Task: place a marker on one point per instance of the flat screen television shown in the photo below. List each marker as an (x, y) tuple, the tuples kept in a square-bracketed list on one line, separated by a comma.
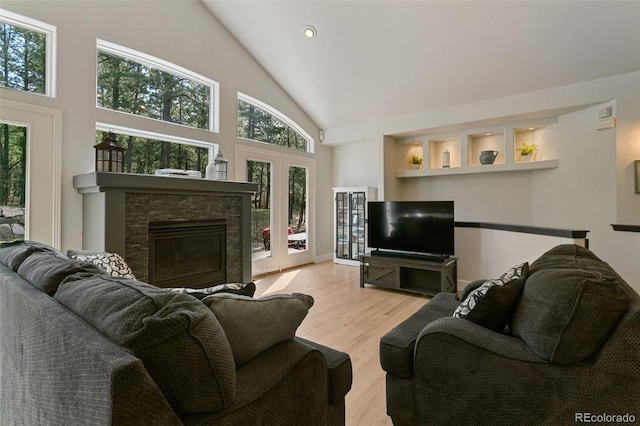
[(411, 227)]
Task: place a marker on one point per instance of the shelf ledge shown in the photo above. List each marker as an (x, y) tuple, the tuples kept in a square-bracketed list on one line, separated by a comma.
[(625, 228), (487, 168)]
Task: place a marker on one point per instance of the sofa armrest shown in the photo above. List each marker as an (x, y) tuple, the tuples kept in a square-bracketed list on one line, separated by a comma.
[(397, 346), (340, 370), (476, 335)]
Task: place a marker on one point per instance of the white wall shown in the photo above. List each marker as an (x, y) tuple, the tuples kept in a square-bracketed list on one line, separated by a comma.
[(348, 160), (591, 189), (489, 253), (181, 32)]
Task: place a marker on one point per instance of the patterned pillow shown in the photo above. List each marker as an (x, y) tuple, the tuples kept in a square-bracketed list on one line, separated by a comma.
[(112, 263), (492, 304), (234, 288)]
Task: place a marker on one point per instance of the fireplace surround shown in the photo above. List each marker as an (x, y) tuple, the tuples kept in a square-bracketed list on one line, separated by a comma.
[(187, 253), (119, 208)]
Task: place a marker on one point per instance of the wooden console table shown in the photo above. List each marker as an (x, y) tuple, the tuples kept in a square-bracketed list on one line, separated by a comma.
[(414, 275)]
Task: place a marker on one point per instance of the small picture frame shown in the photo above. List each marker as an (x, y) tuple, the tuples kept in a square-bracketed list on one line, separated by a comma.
[(637, 169)]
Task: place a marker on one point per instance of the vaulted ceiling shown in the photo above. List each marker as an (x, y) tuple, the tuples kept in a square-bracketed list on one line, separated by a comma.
[(374, 60)]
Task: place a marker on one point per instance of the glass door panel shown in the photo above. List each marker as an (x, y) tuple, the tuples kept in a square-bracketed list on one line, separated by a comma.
[(358, 201), (260, 172), (13, 190), (297, 211), (342, 225)]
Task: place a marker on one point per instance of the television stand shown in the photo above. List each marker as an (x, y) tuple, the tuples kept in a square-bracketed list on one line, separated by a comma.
[(417, 256), (412, 274)]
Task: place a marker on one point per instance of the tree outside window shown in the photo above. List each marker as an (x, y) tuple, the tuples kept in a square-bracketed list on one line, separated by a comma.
[(145, 156), (13, 165), (129, 86), (257, 124), (22, 58)]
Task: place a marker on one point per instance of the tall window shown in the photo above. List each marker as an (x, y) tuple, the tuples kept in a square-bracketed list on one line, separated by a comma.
[(146, 152), (259, 122), (13, 164), (137, 83), (27, 54)]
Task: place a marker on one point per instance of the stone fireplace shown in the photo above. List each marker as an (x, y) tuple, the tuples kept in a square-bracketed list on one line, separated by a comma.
[(123, 212)]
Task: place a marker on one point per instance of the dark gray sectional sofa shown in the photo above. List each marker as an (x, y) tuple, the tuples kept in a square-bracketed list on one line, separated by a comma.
[(79, 347), (569, 352)]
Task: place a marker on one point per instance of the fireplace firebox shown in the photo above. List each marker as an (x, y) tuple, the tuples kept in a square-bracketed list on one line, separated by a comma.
[(190, 253)]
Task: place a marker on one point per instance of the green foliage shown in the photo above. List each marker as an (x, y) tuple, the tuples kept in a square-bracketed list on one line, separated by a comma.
[(145, 156), (13, 158), (22, 58), (297, 198), (260, 219), (256, 124), (527, 149), (416, 159), (128, 86)]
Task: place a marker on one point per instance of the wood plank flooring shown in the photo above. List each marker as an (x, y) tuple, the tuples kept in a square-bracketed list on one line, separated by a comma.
[(351, 319)]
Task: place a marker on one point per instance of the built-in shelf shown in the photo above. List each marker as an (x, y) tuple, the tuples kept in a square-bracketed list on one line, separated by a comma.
[(486, 168), (465, 147), (626, 228)]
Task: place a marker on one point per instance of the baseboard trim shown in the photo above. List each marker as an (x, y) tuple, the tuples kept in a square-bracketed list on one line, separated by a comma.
[(323, 258)]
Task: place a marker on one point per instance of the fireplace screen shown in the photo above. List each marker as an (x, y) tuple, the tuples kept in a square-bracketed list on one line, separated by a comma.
[(187, 253)]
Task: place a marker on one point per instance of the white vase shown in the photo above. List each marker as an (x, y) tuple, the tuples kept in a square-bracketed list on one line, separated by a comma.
[(527, 157), (416, 167), (210, 171), (446, 158)]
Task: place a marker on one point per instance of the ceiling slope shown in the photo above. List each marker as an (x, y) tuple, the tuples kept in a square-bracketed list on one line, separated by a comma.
[(374, 60)]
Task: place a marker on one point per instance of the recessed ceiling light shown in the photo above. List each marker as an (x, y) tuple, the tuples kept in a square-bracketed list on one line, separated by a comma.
[(309, 31), (488, 134)]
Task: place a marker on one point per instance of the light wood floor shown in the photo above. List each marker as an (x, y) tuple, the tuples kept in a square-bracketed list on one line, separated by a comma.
[(351, 319)]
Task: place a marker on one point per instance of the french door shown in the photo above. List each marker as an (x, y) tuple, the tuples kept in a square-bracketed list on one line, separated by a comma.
[(282, 209), (40, 157)]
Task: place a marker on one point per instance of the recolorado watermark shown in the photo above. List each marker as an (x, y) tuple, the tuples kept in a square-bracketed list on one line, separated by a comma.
[(604, 418)]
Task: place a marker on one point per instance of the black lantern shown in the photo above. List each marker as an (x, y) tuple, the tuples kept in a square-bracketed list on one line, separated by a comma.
[(109, 155), (221, 166)]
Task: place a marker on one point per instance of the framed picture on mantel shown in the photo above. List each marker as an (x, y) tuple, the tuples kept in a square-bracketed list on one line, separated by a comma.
[(637, 168)]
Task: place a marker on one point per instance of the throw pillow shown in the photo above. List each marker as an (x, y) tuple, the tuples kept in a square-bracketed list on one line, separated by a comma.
[(235, 288), (492, 304), (179, 340), (254, 325), (469, 288), (569, 309), (112, 263)]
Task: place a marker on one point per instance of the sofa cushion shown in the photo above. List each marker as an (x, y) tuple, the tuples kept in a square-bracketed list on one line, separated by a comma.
[(46, 270), (570, 305), (179, 341), (112, 263), (236, 288), (492, 304), (564, 257), (13, 254), (254, 325)]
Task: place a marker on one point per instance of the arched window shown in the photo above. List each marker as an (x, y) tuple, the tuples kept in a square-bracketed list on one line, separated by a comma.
[(259, 122), (136, 83)]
